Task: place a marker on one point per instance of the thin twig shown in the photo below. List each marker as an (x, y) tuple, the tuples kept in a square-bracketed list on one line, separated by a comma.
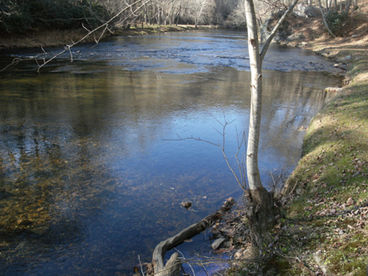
[(92, 32), (241, 178), (204, 268), (70, 52), (14, 62), (140, 265), (190, 266), (194, 139)]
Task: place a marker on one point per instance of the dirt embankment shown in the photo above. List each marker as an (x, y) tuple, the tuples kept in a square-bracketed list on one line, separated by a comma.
[(327, 229)]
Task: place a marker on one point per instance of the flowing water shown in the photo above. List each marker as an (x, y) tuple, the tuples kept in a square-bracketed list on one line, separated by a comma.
[(94, 160)]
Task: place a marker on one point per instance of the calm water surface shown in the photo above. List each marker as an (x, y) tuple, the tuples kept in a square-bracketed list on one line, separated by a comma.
[(91, 175)]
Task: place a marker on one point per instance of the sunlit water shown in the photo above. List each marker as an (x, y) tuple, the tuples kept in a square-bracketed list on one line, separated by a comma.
[(94, 159)]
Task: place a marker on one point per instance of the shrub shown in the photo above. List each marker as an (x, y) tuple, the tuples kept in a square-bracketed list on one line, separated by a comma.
[(19, 16), (336, 21)]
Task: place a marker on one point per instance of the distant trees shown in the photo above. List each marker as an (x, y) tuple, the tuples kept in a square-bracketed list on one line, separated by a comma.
[(17, 16), (178, 11), (25, 15), (20, 16), (335, 15)]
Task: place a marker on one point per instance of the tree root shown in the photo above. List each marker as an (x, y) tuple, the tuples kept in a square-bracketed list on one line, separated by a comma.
[(173, 265)]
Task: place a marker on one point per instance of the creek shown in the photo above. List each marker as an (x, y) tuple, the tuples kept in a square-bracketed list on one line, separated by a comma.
[(93, 166)]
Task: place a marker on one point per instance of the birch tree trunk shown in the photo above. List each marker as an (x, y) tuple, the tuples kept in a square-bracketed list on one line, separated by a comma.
[(254, 180), (261, 211)]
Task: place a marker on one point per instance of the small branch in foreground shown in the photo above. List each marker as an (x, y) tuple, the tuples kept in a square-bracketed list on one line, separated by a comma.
[(172, 267), (104, 25), (239, 177), (140, 265), (182, 255), (67, 48)]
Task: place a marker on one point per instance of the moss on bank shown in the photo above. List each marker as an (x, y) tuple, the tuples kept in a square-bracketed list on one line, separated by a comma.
[(326, 227)]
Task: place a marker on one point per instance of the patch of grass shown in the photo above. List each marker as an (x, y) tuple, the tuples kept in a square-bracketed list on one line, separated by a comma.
[(330, 185)]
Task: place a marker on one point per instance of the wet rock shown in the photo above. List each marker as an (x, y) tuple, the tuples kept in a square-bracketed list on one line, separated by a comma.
[(186, 204), (217, 243), (340, 66)]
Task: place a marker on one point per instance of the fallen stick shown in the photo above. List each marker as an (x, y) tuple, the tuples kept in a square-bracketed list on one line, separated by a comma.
[(173, 265)]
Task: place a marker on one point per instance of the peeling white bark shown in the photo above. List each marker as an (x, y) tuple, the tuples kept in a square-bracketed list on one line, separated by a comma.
[(254, 180), (255, 60)]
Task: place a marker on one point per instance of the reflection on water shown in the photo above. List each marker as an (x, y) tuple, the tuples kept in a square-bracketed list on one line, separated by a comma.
[(88, 178)]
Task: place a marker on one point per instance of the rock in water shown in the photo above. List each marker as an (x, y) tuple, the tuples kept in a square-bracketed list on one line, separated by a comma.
[(186, 204), (217, 243)]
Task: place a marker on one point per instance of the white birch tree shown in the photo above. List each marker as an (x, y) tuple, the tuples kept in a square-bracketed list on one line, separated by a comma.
[(261, 211)]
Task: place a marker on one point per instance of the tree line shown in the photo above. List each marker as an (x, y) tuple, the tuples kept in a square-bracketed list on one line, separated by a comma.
[(22, 16)]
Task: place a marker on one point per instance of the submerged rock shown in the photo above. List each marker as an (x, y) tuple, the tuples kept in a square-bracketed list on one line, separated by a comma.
[(186, 204), (217, 243)]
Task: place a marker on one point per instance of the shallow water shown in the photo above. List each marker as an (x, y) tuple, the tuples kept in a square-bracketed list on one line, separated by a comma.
[(93, 166)]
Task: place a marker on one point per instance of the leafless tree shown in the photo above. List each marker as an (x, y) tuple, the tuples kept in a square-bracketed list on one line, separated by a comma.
[(261, 213)]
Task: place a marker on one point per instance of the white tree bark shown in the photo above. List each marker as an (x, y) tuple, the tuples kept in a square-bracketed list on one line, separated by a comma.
[(253, 176), (255, 60)]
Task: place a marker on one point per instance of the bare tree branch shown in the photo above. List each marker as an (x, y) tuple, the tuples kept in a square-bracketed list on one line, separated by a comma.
[(274, 30), (173, 265), (240, 177), (67, 48), (104, 25), (140, 265)]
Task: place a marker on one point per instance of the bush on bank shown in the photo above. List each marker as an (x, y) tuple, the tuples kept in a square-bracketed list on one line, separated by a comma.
[(21, 16)]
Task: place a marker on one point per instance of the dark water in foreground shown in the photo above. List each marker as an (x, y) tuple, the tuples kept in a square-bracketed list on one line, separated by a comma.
[(90, 177)]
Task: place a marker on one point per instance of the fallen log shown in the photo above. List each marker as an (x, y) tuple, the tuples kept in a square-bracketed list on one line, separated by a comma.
[(173, 265)]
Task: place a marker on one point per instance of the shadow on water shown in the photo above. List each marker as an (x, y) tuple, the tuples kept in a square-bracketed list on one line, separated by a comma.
[(88, 179)]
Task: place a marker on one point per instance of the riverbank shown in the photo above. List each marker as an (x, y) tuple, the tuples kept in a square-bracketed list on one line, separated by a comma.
[(326, 223), (325, 229), (53, 38), (328, 211)]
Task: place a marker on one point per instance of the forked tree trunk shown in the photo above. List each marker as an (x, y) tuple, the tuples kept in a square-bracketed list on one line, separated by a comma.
[(261, 211), (254, 180)]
